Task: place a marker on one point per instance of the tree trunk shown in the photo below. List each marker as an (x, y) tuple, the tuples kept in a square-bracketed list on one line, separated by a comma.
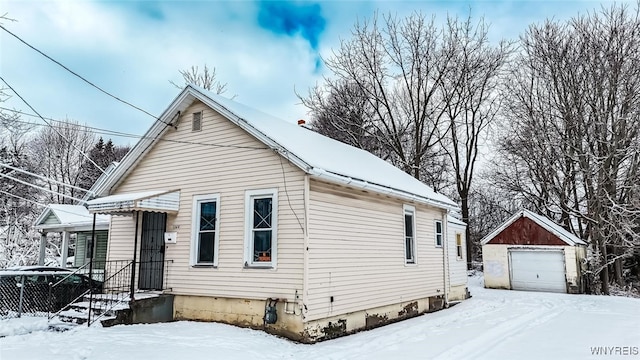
[(617, 267), (467, 235), (604, 274)]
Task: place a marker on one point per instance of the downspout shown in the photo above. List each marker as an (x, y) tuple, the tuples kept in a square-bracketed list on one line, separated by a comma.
[(133, 263), (305, 274), (445, 258)]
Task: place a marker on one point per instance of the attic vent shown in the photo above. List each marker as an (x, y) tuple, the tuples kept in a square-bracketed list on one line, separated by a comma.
[(196, 123)]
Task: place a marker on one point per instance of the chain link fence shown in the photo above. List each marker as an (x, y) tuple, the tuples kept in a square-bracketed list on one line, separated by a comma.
[(25, 295)]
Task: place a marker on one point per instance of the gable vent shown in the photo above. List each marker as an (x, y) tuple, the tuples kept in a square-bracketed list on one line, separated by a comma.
[(196, 122)]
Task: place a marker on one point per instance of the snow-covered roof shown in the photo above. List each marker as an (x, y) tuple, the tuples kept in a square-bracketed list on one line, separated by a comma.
[(71, 217), (454, 220), (317, 155), (543, 221)]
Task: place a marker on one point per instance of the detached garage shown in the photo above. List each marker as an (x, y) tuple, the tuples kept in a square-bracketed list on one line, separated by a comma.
[(530, 252)]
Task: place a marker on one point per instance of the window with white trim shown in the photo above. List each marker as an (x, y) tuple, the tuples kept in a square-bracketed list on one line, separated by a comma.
[(438, 233), (409, 235), (459, 245), (205, 222), (261, 231)]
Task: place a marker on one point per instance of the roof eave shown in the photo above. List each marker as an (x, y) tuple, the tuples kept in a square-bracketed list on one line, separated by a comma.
[(73, 227), (345, 180), (262, 137), (146, 142)]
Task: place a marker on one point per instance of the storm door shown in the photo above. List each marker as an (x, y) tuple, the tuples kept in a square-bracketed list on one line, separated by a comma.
[(152, 251)]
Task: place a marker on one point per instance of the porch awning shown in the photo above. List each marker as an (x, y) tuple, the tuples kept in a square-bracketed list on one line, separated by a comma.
[(156, 201)]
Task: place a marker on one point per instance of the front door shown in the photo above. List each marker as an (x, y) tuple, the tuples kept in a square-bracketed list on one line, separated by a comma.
[(152, 251)]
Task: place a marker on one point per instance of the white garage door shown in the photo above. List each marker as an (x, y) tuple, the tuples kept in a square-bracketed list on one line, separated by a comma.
[(538, 271)]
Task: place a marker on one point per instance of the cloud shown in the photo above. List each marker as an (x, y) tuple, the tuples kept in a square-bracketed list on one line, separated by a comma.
[(151, 10), (292, 19)]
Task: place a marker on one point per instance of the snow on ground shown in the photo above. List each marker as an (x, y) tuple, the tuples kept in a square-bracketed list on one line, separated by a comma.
[(494, 324)]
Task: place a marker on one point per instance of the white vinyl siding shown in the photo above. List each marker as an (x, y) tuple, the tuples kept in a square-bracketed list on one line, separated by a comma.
[(205, 224), (457, 266), (237, 163), (356, 252), (261, 229)]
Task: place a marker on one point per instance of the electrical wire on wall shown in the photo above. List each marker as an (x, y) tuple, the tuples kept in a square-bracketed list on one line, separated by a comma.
[(286, 191)]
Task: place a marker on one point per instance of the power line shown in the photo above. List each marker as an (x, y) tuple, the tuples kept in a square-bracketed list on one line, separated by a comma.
[(96, 130), (79, 76), (42, 188), (21, 198), (44, 178), (46, 122)]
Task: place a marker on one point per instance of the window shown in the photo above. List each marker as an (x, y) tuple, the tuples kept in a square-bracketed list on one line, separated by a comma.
[(438, 233), (459, 245), (205, 222), (409, 235), (261, 208), (196, 122)]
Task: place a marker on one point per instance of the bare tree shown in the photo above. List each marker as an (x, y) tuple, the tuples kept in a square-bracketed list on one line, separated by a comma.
[(489, 208), (60, 154), (341, 111), (471, 90), (396, 69), (18, 241), (206, 79), (574, 130)]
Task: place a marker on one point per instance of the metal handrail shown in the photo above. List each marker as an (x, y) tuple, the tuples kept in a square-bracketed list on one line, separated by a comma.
[(113, 303), (69, 275)]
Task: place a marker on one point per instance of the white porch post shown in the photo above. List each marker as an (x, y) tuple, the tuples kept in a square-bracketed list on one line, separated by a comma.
[(65, 247), (43, 248)]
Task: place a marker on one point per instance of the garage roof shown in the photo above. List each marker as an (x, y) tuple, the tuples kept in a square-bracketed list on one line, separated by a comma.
[(545, 222)]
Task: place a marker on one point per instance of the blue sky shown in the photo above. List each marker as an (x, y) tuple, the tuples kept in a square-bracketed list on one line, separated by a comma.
[(263, 50)]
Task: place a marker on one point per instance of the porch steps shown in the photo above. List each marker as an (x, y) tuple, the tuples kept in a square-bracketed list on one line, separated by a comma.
[(104, 307)]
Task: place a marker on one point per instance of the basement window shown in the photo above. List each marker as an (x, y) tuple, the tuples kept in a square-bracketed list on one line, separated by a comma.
[(196, 121)]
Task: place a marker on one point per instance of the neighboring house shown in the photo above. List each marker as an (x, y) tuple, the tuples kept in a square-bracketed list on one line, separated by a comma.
[(531, 252), (243, 211), (68, 220), (74, 219)]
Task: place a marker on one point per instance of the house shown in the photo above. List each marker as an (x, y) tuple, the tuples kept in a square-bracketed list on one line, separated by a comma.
[(247, 219), (74, 221), (531, 252)]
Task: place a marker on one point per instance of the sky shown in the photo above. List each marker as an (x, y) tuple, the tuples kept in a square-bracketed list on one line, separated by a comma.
[(265, 51)]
